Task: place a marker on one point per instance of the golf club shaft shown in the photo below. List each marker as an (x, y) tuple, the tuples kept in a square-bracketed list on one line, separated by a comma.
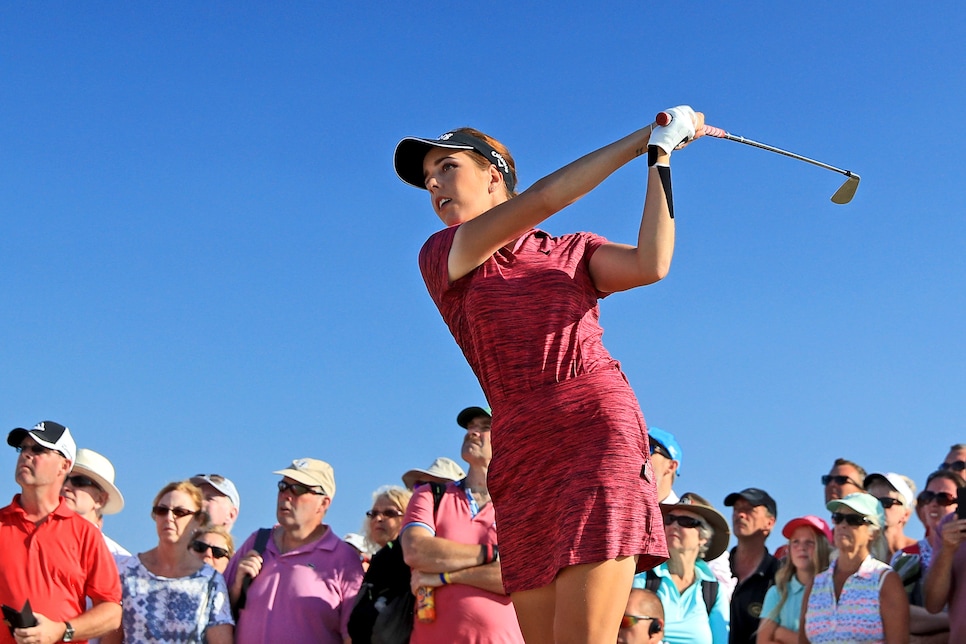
[(663, 118)]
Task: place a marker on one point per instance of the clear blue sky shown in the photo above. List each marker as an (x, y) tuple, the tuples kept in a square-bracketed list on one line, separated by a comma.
[(207, 263)]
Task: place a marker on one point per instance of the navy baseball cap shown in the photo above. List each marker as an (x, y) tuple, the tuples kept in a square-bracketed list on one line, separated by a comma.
[(754, 496)]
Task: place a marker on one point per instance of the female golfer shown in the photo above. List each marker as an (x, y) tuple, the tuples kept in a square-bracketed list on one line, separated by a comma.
[(570, 476)]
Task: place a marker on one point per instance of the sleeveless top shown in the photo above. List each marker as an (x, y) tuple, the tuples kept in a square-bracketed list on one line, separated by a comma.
[(855, 617)]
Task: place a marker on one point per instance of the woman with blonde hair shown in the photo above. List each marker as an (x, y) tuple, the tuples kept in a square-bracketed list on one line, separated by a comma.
[(806, 555), (523, 307), (169, 594), (384, 520), (214, 545)]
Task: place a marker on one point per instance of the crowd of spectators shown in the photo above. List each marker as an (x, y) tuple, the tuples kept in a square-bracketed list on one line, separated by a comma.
[(853, 574)]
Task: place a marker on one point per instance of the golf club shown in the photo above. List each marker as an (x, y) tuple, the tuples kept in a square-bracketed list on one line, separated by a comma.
[(842, 196)]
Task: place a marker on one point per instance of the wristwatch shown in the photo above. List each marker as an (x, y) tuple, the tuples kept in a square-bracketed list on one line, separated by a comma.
[(68, 633)]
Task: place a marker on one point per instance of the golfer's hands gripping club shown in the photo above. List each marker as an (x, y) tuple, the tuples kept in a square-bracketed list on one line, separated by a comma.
[(676, 127)]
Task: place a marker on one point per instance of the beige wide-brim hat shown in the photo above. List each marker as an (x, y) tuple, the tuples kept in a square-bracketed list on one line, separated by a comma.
[(442, 470), (699, 505), (100, 470)]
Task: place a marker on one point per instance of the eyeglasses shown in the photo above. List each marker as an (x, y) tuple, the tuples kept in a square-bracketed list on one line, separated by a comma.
[(657, 448), (201, 548), (682, 520), (82, 481), (854, 520), (389, 514), (955, 466), (839, 479), (298, 489), (179, 513), (942, 498), (34, 449), (630, 621), (887, 501)]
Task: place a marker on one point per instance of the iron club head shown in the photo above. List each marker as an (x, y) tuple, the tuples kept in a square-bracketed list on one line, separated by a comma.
[(847, 191)]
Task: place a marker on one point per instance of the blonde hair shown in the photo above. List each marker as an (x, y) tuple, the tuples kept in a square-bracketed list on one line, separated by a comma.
[(820, 563), (210, 528), (189, 488), (398, 496)]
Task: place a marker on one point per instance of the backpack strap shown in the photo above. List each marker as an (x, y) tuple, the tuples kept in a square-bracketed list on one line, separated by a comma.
[(439, 489), (653, 582), (709, 590), (261, 542)]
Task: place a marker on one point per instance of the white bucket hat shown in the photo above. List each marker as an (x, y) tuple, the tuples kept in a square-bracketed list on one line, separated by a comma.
[(98, 469)]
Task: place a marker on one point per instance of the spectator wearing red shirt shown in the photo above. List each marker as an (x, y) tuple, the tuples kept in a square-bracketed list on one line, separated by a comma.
[(49, 555)]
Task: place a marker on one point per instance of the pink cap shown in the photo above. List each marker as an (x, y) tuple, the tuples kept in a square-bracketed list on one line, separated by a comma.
[(808, 521)]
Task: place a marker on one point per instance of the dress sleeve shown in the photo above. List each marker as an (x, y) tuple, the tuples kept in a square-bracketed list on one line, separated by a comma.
[(434, 262), (219, 607)]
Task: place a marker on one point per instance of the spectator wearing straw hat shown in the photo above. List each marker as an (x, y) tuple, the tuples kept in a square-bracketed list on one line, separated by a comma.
[(442, 470), (695, 609), (90, 492)]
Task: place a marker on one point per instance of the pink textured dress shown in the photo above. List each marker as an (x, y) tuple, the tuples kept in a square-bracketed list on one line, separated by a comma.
[(570, 479)]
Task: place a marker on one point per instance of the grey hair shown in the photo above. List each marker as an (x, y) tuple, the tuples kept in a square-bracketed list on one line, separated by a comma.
[(705, 532)]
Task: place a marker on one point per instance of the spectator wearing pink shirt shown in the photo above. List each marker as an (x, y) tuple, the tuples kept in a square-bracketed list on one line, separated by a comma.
[(305, 582), (456, 553)]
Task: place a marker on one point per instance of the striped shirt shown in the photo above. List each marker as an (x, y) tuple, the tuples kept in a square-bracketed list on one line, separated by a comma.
[(855, 617)]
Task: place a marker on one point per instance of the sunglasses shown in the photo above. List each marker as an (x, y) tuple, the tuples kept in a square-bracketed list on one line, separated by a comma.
[(201, 548), (298, 489), (217, 478), (389, 514), (630, 621), (887, 502), (179, 513), (838, 479), (854, 520), (942, 498), (34, 449), (955, 466), (682, 520), (82, 481), (657, 448)]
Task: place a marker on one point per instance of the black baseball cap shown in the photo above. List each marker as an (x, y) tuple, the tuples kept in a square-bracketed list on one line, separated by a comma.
[(754, 496), (464, 418)]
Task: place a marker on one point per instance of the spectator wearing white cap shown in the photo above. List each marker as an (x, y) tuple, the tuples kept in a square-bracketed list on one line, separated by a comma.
[(90, 492), (63, 561), (897, 494), (222, 502), (305, 581), (442, 470)]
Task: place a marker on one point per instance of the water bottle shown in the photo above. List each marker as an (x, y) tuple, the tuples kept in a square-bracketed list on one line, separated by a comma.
[(425, 605)]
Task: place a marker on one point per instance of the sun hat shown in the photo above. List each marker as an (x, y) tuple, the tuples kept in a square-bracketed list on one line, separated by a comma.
[(49, 434), (699, 505), (311, 472), (667, 441), (442, 470), (411, 151), (465, 417), (100, 470), (754, 496), (862, 503), (897, 483), (220, 483), (807, 521)]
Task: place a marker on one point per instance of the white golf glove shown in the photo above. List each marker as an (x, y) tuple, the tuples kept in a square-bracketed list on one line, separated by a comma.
[(680, 129)]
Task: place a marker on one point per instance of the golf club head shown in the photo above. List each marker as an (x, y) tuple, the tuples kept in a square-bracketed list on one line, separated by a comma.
[(847, 191)]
